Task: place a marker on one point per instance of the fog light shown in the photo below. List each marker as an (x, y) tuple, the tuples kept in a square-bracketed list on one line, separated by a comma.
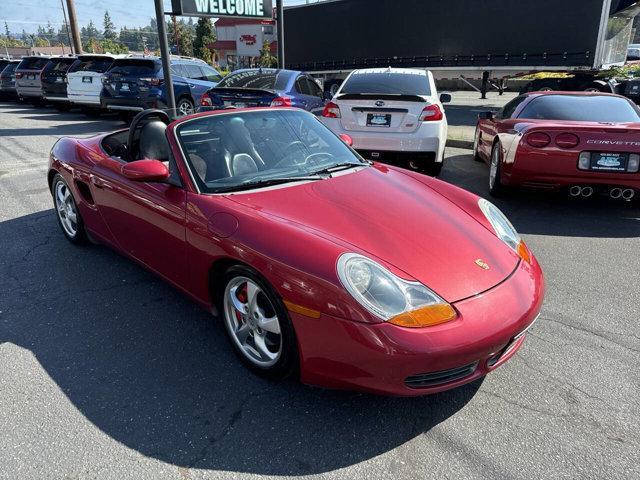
[(634, 163), (584, 161)]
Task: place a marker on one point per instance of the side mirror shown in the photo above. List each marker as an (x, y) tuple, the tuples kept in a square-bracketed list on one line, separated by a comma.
[(146, 171), (445, 98), (485, 115), (346, 139)]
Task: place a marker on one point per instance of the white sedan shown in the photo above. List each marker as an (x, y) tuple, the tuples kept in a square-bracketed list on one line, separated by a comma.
[(393, 115)]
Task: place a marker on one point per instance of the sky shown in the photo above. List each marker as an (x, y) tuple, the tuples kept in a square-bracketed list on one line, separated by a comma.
[(28, 14)]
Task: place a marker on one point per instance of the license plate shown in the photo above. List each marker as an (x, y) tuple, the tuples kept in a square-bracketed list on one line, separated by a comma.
[(87, 80), (378, 119), (59, 79), (609, 162), (124, 87)]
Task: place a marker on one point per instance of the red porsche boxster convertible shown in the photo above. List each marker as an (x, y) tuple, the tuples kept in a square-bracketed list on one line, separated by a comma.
[(586, 142), (320, 264)]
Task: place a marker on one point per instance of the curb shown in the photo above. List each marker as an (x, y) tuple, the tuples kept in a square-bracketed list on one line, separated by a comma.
[(465, 144)]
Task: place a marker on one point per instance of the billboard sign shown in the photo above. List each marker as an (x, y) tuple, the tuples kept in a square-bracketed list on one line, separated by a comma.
[(223, 8), (249, 40)]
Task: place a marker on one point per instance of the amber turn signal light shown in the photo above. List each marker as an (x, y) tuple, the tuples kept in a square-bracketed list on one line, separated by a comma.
[(426, 316), (523, 252)]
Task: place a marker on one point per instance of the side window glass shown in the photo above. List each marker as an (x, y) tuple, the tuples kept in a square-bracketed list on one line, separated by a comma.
[(314, 88), (211, 75), (177, 69), (302, 86), (193, 72), (509, 108)]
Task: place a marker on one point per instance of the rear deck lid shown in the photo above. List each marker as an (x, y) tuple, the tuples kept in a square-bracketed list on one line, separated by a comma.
[(127, 75)]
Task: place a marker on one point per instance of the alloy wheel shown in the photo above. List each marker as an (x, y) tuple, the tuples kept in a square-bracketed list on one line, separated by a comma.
[(66, 209), (251, 319), (185, 108)]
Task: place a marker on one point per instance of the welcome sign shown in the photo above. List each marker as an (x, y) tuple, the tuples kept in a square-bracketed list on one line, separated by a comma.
[(223, 8)]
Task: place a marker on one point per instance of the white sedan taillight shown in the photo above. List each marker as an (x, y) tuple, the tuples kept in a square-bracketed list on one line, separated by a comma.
[(431, 113), (331, 110)]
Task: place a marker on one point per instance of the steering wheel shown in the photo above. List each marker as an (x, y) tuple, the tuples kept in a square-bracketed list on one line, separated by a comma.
[(137, 123)]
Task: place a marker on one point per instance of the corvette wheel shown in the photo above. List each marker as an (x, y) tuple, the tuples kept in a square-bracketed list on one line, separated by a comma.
[(67, 212), (495, 184), (258, 324), (185, 107), (476, 144)]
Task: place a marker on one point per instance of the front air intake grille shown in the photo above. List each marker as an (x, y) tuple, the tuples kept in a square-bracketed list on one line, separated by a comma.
[(433, 379)]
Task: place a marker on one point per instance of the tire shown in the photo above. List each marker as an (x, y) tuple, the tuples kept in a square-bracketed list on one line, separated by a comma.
[(275, 355), (63, 107), (64, 205), (184, 107), (476, 141), (496, 188)]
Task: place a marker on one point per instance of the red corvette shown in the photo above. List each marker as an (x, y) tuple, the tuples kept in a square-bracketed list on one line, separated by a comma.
[(588, 143), (322, 265)]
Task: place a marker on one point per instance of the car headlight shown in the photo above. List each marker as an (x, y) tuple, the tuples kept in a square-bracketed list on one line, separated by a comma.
[(504, 230), (389, 297)]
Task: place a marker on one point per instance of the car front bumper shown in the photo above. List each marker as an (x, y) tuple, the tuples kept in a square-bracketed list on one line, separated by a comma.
[(385, 359)]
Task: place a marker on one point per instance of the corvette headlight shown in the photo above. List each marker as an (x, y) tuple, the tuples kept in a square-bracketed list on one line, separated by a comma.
[(393, 299), (503, 228)]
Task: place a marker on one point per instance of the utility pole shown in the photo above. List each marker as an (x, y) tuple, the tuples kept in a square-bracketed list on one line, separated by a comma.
[(165, 57), (280, 28), (73, 23), (66, 27)]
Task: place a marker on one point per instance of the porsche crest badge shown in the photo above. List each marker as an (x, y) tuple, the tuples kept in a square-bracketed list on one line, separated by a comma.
[(482, 264)]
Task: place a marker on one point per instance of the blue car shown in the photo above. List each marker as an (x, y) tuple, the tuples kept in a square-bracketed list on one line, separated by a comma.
[(137, 83), (265, 87)]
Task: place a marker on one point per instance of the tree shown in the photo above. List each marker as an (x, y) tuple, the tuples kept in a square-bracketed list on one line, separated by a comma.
[(181, 37), (266, 57), (90, 31), (205, 36), (109, 27), (63, 34), (7, 33), (110, 46)]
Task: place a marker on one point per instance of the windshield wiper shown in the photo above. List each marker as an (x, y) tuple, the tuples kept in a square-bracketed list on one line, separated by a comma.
[(249, 185), (339, 167)]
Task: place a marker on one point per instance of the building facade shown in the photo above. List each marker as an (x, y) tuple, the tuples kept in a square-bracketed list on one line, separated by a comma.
[(239, 41)]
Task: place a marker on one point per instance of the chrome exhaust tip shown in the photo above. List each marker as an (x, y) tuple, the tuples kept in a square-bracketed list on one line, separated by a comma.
[(628, 194), (587, 192), (575, 191), (615, 193)]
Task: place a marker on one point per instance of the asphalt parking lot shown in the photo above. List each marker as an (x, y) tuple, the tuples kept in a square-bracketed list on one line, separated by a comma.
[(106, 372)]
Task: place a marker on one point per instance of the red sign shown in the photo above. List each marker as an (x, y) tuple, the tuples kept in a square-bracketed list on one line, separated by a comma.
[(249, 39)]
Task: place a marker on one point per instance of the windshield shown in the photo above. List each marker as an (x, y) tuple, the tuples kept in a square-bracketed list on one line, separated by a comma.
[(388, 83), (582, 108), (263, 79), (228, 151), (92, 64)]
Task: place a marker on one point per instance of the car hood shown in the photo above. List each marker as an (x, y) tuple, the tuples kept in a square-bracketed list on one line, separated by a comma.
[(399, 220)]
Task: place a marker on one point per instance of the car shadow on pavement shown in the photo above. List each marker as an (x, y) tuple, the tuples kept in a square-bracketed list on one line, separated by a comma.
[(153, 371), (548, 213)]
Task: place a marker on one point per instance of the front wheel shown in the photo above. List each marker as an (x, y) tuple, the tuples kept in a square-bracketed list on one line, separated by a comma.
[(67, 212), (496, 188), (476, 145), (257, 324)]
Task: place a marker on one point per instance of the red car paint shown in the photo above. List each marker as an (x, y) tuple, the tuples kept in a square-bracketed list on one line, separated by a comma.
[(556, 165), (420, 228)]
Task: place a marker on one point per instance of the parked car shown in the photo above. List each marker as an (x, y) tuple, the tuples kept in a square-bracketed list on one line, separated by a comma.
[(137, 83), (633, 53), (585, 142), (394, 115), (84, 81), (28, 82), (8, 78), (265, 87), (266, 217), (54, 81)]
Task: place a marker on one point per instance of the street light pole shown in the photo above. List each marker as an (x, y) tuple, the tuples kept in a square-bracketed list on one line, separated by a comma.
[(280, 28), (165, 55)]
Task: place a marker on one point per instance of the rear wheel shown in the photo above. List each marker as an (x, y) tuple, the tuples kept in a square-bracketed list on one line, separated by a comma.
[(496, 188), (258, 324), (185, 107), (67, 211)]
